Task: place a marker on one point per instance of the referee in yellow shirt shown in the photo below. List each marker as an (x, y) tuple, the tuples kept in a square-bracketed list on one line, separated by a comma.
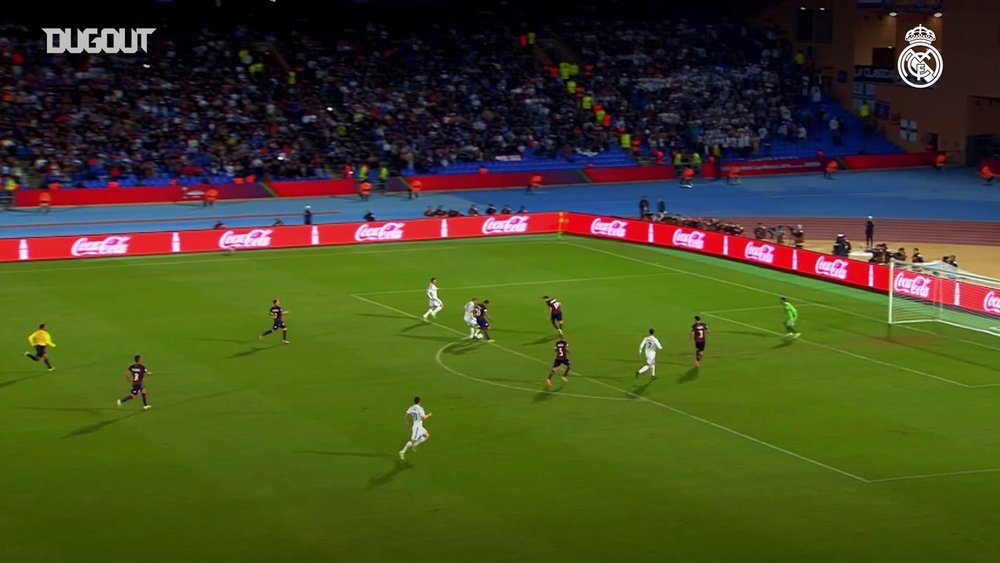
[(40, 339)]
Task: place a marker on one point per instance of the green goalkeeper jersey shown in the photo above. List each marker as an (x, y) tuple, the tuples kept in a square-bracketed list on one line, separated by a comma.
[(791, 312)]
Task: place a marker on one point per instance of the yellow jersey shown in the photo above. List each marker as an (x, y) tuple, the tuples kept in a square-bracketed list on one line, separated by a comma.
[(41, 338)]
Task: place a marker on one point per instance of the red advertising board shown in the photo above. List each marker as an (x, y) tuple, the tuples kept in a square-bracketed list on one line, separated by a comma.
[(630, 174), (883, 161), (313, 188), (813, 264)]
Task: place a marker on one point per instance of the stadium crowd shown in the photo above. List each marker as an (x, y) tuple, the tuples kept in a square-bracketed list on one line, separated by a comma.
[(239, 103)]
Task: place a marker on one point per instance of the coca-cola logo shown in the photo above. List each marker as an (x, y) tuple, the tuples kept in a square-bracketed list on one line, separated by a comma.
[(836, 268), (110, 246), (694, 239), (914, 286), (763, 253), (991, 303), (614, 228), (513, 224), (388, 231), (256, 238)]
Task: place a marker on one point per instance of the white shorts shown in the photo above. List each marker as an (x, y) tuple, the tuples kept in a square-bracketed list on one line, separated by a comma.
[(417, 432), (471, 322), (650, 358), (435, 303)]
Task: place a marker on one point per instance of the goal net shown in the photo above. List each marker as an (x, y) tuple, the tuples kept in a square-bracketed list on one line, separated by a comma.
[(938, 292)]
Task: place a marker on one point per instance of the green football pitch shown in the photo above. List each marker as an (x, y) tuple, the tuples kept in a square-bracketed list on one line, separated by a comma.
[(856, 442)]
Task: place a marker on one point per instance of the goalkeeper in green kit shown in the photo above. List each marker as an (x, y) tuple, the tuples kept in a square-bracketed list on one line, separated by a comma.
[(791, 319)]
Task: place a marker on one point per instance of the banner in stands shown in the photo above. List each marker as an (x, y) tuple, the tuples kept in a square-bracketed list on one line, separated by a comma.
[(775, 166), (882, 161), (138, 194), (763, 253), (313, 188)]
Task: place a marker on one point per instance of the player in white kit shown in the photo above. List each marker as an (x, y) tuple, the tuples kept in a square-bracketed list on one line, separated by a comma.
[(416, 416), (470, 319), (649, 346), (434, 304)]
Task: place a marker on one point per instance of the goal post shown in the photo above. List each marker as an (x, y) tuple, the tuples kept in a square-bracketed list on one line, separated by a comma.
[(938, 292)]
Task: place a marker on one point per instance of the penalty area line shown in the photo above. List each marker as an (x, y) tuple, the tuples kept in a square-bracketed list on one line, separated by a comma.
[(664, 406)]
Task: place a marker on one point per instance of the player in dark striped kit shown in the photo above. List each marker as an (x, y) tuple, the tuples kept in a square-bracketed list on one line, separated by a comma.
[(562, 359), (555, 313), (698, 332)]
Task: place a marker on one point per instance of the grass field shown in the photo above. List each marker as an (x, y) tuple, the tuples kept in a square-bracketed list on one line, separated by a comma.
[(854, 443)]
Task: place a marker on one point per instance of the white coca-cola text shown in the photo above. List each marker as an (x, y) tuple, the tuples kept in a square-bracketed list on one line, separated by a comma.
[(256, 238), (763, 253), (513, 224), (110, 246), (694, 239), (614, 228), (914, 286), (836, 268), (991, 303), (388, 231)]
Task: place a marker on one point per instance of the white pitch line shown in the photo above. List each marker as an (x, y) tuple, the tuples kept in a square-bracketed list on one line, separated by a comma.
[(440, 362), (765, 292), (845, 352), (767, 308), (934, 475), (513, 284), (665, 406)]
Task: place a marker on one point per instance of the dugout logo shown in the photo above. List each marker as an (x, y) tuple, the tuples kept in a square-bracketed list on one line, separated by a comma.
[(614, 228), (694, 240), (916, 286), (836, 269), (514, 224), (257, 238), (920, 64), (92, 40), (991, 303), (388, 231), (763, 253), (111, 246)]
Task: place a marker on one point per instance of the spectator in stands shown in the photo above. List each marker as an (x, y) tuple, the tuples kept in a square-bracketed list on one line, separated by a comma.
[(916, 257), (307, 216)]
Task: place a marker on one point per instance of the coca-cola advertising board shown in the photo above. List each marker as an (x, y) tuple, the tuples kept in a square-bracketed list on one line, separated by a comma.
[(232, 240), (94, 246)]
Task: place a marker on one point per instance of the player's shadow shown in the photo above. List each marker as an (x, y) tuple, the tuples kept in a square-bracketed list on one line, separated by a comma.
[(208, 396), (227, 340), (435, 338), (783, 344), (542, 340), (688, 376), (98, 426), (384, 479), (461, 347), (346, 454), (546, 395), (253, 350), (417, 325), (638, 391), (10, 382), (384, 316)]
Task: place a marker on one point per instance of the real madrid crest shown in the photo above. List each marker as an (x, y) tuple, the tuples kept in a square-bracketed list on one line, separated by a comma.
[(920, 64)]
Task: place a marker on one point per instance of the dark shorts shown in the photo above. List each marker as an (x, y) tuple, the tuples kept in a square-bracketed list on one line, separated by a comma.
[(560, 362), (136, 389), (557, 316), (483, 323), (699, 346), (279, 325), (39, 351)]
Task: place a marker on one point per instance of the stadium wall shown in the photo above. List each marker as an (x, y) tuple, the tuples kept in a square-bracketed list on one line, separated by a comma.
[(742, 249), (324, 188)]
